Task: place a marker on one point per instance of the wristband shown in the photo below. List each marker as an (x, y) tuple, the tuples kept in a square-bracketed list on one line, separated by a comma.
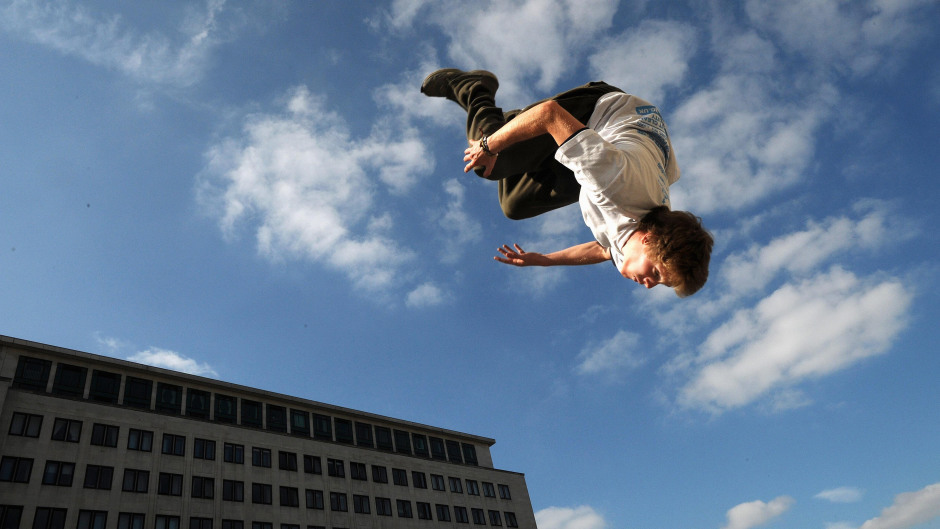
[(486, 147)]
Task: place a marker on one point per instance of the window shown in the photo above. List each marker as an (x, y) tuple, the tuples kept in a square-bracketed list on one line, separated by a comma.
[(58, 473), (437, 449), (453, 452), (66, 430), (166, 522), (197, 403), (511, 519), (455, 485), (402, 442), (383, 438), (379, 474), (290, 497), (10, 516), (169, 398), (138, 393), (203, 487), (233, 524), (226, 408), (261, 493), (358, 471), (364, 435), (443, 513), (419, 479), (290, 526), (335, 468), (504, 492), (312, 465), (200, 523), (300, 423), (287, 461), (92, 519), (361, 504), (69, 380), (135, 480), (344, 431), (383, 506), (314, 499), (460, 514), (49, 518), (437, 482), (98, 477), (174, 445), (15, 469), (478, 517), (338, 502), (32, 373), (233, 453), (420, 443), (495, 519), (25, 424), (104, 435), (141, 440), (404, 508), (424, 510), (488, 490), (251, 413), (261, 525), (277, 418), (322, 428), (473, 488), (204, 449), (233, 490), (170, 484), (104, 386), (261, 457), (400, 477), (469, 454), (128, 520)]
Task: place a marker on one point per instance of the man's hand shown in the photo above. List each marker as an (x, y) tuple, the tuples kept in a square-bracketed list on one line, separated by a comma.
[(475, 157), (516, 256)]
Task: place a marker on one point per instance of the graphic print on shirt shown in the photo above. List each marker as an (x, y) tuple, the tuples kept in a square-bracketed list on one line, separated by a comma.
[(654, 127)]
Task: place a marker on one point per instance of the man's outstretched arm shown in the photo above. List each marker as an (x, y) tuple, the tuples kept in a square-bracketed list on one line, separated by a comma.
[(581, 254), (545, 118)]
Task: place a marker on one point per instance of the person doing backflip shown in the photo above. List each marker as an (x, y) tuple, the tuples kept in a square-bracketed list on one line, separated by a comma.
[(596, 145)]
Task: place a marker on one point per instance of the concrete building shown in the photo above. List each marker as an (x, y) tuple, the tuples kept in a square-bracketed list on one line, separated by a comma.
[(93, 442)]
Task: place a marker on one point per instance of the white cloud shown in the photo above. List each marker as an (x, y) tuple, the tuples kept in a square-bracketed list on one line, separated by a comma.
[(107, 40), (802, 331), (157, 357), (583, 517), (457, 227), (309, 190), (757, 513), (620, 352), (425, 295), (841, 495), (646, 60), (910, 509)]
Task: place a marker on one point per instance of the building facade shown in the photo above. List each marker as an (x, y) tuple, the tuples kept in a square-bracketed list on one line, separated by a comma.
[(91, 442)]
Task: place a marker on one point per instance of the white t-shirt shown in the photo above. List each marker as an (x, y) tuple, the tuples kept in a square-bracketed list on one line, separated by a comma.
[(625, 165)]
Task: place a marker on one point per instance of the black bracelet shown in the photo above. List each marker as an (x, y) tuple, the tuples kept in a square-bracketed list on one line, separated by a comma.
[(486, 147)]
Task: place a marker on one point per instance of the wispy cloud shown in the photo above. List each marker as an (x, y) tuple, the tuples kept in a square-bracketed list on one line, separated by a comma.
[(309, 190), (840, 495), (426, 295), (757, 513), (910, 509), (583, 517), (615, 355), (107, 40), (157, 357)]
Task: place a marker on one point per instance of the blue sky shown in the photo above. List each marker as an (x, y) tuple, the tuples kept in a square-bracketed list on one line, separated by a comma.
[(258, 192)]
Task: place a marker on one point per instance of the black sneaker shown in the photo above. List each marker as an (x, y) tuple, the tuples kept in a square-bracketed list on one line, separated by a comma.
[(438, 83)]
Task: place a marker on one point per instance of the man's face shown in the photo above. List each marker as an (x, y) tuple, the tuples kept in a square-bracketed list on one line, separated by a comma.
[(637, 266)]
